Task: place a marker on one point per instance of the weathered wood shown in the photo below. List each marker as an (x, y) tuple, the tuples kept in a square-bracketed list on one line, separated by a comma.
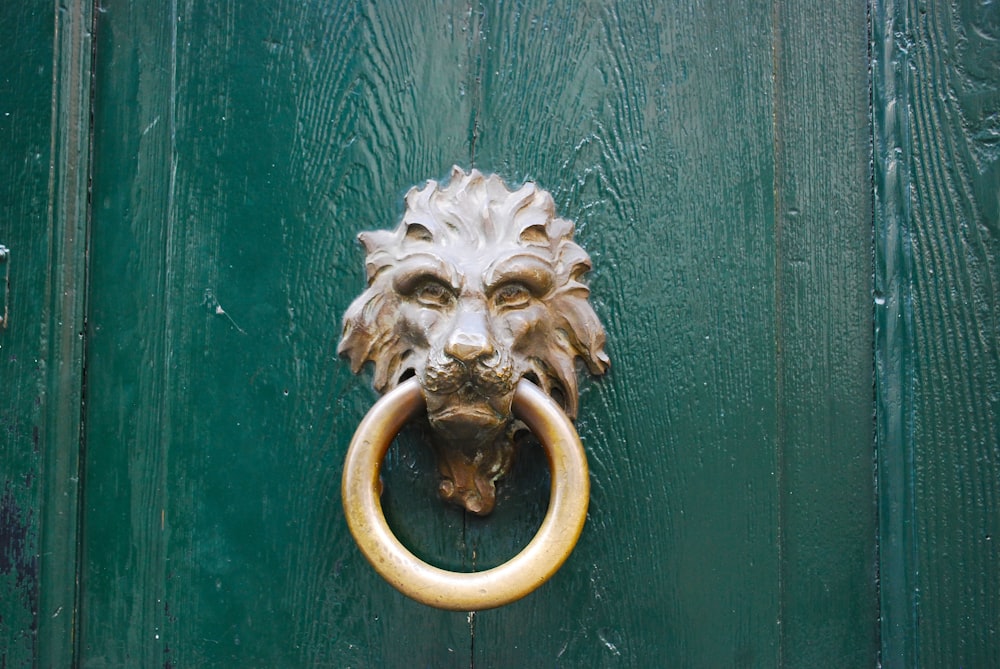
[(44, 153), (713, 157), (938, 312), (239, 148), (25, 118)]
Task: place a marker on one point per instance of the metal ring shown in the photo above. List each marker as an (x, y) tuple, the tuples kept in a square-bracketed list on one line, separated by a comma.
[(456, 591)]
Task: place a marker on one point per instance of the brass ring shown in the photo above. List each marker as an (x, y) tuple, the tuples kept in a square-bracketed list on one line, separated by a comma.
[(535, 564)]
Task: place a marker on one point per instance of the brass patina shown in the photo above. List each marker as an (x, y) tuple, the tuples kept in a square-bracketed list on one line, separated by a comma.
[(477, 288), (510, 581)]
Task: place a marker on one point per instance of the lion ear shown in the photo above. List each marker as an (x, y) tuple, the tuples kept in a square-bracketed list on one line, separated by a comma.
[(358, 332), (376, 258), (374, 240)]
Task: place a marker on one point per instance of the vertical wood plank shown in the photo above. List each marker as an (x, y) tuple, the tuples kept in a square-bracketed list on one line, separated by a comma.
[(69, 222), (25, 127), (941, 82), (45, 100), (383, 108), (823, 310), (129, 382), (240, 149), (893, 358), (652, 125)]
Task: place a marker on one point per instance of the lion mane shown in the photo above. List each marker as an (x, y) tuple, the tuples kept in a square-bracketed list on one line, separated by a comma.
[(477, 213)]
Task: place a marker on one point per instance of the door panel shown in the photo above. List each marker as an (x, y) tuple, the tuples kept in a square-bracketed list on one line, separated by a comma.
[(714, 156), (238, 151), (714, 160), (25, 91), (672, 192)]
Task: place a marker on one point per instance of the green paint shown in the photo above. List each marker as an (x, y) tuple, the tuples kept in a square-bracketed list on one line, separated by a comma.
[(938, 359), (24, 152), (44, 95), (716, 163)]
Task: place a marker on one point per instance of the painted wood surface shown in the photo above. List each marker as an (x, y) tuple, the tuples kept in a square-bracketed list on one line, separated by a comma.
[(44, 149), (713, 157), (240, 147), (823, 311), (732, 263), (937, 125), (24, 151)]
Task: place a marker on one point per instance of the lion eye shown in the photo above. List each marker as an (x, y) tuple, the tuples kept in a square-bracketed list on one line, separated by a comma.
[(512, 295), (433, 294)]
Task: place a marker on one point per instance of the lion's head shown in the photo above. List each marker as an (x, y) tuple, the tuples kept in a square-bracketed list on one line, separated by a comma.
[(478, 287)]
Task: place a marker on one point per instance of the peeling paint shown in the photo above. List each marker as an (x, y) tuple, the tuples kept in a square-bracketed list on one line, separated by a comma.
[(18, 573)]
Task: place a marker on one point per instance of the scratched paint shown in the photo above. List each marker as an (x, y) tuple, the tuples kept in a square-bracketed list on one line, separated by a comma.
[(18, 576)]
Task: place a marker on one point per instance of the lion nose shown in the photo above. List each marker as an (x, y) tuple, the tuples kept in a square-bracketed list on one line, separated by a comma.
[(469, 341)]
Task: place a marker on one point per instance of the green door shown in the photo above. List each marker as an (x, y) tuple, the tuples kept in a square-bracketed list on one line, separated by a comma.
[(185, 200)]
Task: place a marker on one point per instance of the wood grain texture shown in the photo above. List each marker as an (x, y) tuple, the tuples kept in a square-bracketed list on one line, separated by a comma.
[(823, 310), (44, 154), (25, 119), (733, 508), (239, 150), (240, 147), (940, 367), (641, 155), (671, 190)]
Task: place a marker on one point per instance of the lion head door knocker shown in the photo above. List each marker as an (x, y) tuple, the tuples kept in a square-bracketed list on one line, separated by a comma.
[(476, 313)]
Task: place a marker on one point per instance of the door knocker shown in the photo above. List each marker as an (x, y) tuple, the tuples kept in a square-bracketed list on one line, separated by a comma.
[(474, 314)]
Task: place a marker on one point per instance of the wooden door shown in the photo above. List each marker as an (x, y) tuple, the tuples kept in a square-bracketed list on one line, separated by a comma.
[(174, 460)]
